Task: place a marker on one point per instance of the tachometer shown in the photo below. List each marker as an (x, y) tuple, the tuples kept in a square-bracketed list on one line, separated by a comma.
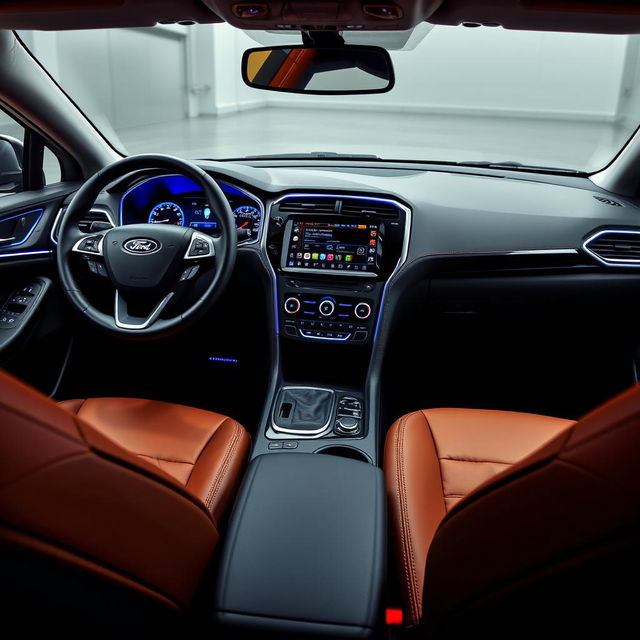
[(167, 213), (248, 218)]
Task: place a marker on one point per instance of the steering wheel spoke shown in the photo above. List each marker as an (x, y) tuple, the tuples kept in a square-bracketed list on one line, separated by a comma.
[(123, 320)]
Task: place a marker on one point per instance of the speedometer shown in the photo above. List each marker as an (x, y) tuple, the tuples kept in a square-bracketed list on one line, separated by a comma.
[(167, 213), (248, 218)]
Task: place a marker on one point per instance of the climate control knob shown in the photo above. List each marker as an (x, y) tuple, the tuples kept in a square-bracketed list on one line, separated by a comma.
[(362, 310), (292, 305), (327, 306)]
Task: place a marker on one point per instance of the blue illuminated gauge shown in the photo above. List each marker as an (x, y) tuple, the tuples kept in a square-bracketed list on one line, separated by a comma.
[(167, 213), (248, 221)]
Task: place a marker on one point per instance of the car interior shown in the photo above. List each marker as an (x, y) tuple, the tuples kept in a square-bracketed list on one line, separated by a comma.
[(315, 393)]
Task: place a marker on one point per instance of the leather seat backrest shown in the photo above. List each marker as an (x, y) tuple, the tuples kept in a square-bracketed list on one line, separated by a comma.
[(549, 546), (80, 515)]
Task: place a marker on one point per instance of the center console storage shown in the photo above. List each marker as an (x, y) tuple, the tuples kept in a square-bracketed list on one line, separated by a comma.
[(305, 550)]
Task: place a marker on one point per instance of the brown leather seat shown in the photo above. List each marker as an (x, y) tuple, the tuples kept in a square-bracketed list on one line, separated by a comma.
[(111, 498), (503, 519)]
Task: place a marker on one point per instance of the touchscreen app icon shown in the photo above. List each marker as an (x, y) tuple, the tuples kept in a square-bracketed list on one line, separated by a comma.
[(307, 256), (314, 256), (330, 256), (323, 256), (348, 258)]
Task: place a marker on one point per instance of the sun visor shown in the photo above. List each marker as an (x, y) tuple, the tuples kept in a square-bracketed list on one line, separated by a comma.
[(588, 16), (55, 15)]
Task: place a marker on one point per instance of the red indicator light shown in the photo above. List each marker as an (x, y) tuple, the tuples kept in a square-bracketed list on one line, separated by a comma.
[(394, 616)]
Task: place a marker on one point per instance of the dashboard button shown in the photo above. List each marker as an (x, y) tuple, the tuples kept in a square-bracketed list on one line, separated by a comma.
[(360, 336), (362, 310), (327, 307), (292, 305)]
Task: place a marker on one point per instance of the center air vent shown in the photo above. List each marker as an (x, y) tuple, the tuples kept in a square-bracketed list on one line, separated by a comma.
[(350, 206), (366, 207), (308, 205), (615, 248)]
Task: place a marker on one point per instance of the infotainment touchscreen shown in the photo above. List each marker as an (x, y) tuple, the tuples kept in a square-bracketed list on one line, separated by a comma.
[(349, 248)]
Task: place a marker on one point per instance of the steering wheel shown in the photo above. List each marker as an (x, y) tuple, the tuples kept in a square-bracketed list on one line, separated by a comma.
[(147, 264)]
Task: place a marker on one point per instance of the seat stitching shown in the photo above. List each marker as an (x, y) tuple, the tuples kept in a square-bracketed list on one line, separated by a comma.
[(405, 529), (217, 481), (507, 464), (146, 455)]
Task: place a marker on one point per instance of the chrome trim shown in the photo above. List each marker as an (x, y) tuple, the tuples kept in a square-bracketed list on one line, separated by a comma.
[(151, 318), (131, 252), (62, 210), (201, 236), (316, 433), (7, 239), (89, 253), (535, 252), (301, 332), (248, 194), (611, 262)]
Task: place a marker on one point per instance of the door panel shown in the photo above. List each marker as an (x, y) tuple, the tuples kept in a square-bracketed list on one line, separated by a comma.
[(34, 329)]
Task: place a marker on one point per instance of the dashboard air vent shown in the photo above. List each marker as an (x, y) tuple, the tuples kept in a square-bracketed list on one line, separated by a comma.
[(615, 248), (308, 205), (84, 224), (609, 201), (366, 207)]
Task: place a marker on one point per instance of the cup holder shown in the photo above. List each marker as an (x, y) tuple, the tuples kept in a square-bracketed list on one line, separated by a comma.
[(345, 452)]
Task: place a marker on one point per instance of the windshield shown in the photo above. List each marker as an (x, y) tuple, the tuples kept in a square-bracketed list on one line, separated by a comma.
[(461, 95)]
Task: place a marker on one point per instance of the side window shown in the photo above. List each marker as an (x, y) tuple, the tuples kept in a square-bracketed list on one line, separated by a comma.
[(13, 138), (11, 154)]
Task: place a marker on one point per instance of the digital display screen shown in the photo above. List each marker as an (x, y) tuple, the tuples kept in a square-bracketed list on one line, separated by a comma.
[(348, 248), (198, 215)]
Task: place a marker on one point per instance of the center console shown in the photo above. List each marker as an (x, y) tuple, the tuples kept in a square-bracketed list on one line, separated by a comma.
[(316, 567), (331, 257)]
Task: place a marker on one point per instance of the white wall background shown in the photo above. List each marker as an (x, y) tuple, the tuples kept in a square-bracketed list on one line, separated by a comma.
[(133, 77)]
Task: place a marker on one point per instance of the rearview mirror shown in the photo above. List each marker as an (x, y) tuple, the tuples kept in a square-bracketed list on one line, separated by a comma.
[(344, 70)]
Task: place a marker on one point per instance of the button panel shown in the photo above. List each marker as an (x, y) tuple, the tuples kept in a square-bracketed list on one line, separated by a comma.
[(349, 416), (330, 318), (15, 308)]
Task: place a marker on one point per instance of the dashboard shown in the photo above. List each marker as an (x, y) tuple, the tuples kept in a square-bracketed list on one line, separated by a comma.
[(178, 200)]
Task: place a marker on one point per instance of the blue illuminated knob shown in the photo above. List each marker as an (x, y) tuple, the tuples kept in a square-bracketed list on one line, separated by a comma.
[(327, 306), (362, 310), (292, 305)]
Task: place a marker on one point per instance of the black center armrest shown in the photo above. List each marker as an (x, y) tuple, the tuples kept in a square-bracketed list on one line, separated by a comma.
[(305, 551)]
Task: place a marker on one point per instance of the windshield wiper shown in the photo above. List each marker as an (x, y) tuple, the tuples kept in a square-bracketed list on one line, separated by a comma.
[(519, 166), (314, 155)]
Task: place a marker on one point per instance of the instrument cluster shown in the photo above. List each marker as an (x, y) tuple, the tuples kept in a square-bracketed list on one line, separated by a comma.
[(177, 200)]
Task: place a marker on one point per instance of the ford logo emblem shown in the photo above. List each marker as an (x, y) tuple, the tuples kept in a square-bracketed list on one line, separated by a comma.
[(141, 246)]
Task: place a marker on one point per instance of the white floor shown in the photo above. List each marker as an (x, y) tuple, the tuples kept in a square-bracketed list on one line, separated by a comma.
[(273, 130)]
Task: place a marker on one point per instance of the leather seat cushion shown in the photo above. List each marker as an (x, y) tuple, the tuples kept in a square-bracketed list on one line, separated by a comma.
[(433, 459), (202, 450)]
